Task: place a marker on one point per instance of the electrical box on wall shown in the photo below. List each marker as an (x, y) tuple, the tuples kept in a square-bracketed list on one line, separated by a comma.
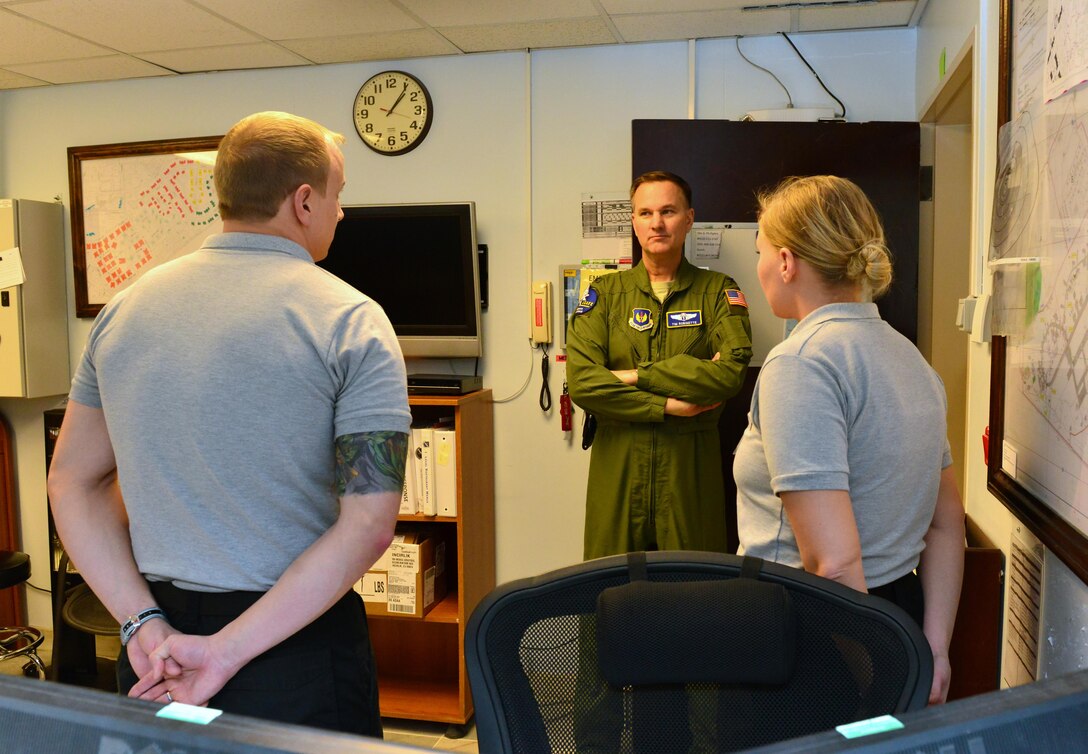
[(33, 315)]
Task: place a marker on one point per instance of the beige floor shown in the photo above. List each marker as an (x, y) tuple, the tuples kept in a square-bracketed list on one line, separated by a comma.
[(425, 735)]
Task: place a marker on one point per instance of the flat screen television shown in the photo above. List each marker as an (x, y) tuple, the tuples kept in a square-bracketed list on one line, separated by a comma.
[(420, 263)]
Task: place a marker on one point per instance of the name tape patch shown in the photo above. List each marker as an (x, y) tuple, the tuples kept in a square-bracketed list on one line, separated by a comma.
[(684, 319)]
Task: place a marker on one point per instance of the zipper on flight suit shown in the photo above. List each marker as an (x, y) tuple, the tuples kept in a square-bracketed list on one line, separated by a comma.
[(652, 513)]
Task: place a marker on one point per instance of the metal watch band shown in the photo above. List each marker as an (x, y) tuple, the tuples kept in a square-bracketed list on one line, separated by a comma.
[(132, 625)]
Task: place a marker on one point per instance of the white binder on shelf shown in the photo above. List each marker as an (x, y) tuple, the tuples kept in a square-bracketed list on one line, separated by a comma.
[(415, 457), (408, 504), (429, 507), (445, 471)]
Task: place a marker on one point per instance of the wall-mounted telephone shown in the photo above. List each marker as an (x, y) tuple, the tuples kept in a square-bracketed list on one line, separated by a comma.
[(540, 312)]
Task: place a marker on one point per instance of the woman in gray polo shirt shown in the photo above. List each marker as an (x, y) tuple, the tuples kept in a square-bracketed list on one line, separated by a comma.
[(845, 468)]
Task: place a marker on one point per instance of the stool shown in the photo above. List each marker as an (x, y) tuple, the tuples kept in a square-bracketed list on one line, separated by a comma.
[(79, 616), (19, 641)]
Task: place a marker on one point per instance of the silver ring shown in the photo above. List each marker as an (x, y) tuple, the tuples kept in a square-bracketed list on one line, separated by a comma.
[(168, 697)]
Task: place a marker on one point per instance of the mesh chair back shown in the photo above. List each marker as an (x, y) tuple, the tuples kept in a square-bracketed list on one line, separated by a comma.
[(538, 685)]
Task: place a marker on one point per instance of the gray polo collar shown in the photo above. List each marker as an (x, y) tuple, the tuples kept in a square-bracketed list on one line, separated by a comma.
[(258, 242), (853, 310)]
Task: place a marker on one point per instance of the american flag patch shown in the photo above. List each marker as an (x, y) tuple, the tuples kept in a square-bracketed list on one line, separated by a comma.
[(736, 298)]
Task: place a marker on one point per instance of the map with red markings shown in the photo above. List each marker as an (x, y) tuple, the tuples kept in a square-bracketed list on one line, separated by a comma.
[(142, 211)]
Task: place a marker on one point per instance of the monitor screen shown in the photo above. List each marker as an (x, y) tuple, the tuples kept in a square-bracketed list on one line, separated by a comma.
[(419, 262), (1045, 716), (43, 716)]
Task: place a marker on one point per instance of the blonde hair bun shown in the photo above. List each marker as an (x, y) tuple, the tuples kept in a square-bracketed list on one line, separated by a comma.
[(828, 222), (871, 266)]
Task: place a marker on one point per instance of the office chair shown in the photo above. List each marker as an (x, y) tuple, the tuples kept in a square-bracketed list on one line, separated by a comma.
[(19, 641), (79, 616), (684, 651)]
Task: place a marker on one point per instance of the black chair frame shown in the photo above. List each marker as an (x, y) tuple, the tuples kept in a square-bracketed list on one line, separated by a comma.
[(501, 695)]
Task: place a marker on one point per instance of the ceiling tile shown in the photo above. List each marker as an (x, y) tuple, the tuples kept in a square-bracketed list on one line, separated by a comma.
[(890, 14), (617, 7), (232, 58), (108, 68), (26, 41), (137, 25), (200, 35), (353, 47), (297, 19), (12, 80), (540, 34), (647, 27), (479, 12)]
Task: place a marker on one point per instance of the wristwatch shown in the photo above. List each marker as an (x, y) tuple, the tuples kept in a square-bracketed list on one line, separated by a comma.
[(132, 625)]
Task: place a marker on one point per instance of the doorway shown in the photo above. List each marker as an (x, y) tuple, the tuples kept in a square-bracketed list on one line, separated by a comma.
[(944, 269)]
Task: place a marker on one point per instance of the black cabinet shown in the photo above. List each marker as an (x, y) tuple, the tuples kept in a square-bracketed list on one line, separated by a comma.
[(727, 162)]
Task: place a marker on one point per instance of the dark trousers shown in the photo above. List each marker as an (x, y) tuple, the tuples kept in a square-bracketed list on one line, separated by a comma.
[(323, 676), (906, 592)]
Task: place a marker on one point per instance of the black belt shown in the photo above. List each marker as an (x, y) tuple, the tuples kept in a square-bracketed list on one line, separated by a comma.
[(173, 599)]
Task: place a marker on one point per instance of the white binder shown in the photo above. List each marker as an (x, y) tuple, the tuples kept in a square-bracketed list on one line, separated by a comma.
[(444, 452), (427, 459)]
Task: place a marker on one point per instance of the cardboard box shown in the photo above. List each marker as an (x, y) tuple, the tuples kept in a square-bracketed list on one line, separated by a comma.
[(409, 579)]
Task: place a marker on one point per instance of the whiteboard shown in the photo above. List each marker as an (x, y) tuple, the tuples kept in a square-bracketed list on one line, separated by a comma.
[(730, 248), (1039, 262)]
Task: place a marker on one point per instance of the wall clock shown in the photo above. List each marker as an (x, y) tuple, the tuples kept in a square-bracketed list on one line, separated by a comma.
[(392, 112)]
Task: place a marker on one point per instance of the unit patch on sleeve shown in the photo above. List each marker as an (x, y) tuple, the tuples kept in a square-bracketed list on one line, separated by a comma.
[(736, 298), (588, 302), (684, 319)]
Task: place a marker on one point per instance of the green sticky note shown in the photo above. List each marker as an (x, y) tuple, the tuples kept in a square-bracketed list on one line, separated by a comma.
[(873, 725), (1033, 291), (189, 713), (941, 64)]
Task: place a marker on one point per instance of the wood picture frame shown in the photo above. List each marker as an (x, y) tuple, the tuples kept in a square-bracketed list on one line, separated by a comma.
[(1056, 533), (139, 210)]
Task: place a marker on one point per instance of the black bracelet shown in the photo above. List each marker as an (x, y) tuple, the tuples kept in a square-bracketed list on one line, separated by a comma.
[(132, 625)]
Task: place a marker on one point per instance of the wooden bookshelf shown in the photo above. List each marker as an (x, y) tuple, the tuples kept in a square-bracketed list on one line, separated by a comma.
[(421, 662)]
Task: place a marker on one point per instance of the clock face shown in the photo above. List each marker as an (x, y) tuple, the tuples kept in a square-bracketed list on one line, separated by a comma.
[(392, 112)]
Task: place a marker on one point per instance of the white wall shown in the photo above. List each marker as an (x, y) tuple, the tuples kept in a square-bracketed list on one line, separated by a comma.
[(943, 27), (527, 194), (728, 87)]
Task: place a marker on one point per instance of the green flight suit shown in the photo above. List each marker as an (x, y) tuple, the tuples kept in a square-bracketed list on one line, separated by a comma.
[(655, 481)]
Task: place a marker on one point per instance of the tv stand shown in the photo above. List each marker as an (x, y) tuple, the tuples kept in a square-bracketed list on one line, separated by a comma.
[(443, 384)]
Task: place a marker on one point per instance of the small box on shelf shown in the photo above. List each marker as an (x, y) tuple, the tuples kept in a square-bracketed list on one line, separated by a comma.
[(410, 577)]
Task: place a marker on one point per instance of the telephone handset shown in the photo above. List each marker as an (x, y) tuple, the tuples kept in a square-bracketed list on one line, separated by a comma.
[(540, 312)]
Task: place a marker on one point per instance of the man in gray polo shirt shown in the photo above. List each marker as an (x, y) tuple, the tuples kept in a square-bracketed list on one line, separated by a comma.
[(252, 410)]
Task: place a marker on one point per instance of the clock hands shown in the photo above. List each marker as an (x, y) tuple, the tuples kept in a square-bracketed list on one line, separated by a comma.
[(397, 101)]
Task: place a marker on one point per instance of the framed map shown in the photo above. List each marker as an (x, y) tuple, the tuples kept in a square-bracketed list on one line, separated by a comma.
[(135, 206), (1038, 456)]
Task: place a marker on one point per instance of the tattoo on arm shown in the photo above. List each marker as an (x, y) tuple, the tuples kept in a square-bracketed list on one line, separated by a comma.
[(369, 462)]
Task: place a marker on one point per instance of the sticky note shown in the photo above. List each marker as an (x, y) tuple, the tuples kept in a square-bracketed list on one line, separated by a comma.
[(189, 713), (869, 727)]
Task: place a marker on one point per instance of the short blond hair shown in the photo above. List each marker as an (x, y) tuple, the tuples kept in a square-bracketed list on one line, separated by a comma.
[(830, 223), (663, 176), (264, 158)]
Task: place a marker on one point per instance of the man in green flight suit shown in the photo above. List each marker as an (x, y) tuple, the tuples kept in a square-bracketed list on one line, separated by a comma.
[(652, 353)]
